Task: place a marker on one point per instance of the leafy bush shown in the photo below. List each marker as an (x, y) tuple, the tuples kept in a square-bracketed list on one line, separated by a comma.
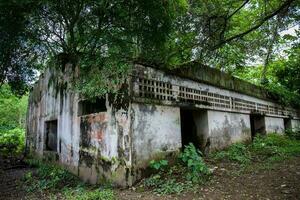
[(190, 169), (273, 147), (237, 152), (158, 165), (293, 134), (191, 157), (12, 141)]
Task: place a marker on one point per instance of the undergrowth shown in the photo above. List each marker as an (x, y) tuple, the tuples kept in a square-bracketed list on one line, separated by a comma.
[(189, 170), (53, 180), (265, 149)]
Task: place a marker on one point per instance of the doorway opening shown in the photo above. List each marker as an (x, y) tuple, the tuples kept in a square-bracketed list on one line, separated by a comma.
[(287, 123), (51, 135), (257, 123), (193, 123)]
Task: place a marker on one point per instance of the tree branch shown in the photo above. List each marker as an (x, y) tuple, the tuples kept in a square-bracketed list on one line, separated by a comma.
[(262, 21), (238, 9)]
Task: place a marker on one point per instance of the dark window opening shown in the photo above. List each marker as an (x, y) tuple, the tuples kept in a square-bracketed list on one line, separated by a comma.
[(287, 123), (192, 128), (51, 135), (257, 123), (91, 106)]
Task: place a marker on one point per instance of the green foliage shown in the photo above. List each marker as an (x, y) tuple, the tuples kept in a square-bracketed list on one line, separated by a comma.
[(81, 193), (293, 134), (270, 148), (49, 177), (158, 165), (237, 152), (56, 180), (192, 158), (12, 109), (170, 186), (12, 122), (12, 142), (189, 171), (275, 82)]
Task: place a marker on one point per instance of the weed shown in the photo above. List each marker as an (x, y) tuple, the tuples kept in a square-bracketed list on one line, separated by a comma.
[(191, 157), (53, 179), (170, 186), (86, 194), (293, 134), (237, 152), (182, 176), (268, 149), (158, 165)]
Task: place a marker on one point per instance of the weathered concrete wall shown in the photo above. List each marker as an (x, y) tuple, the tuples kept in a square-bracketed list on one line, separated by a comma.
[(105, 152), (96, 147), (295, 124), (117, 144), (155, 86), (47, 102), (227, 128), (274, 125), (155, 133)]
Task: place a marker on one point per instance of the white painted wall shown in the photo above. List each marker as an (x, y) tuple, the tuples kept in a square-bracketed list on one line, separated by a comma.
[(295, 124), (156, 129), (274, 125), (227, 128)]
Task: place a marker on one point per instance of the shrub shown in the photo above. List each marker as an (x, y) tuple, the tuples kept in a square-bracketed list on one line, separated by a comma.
[(190, 169), (191, 157), (12, 141), (293, 134), (158, 165), (237, 152), (273, 147)]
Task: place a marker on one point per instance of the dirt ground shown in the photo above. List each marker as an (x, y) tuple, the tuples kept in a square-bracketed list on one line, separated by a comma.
[(280, 181)]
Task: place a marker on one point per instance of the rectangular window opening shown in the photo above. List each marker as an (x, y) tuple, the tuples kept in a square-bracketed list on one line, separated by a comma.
[(90, 106)]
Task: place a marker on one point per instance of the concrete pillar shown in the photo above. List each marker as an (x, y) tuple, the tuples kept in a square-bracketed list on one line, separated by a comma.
[(274, 125)]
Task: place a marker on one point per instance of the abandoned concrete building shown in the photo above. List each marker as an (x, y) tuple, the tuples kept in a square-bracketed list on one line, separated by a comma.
[(157, 113)]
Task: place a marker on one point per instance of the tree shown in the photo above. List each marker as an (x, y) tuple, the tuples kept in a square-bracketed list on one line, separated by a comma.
[(91, 33), (105, 37), (213, 29)]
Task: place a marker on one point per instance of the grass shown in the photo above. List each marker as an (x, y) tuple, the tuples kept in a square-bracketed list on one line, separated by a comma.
[(58, 183), (264, 149)]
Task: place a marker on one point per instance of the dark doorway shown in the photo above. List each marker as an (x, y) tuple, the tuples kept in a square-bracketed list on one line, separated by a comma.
[(51, 135), (257, 123), (190, 133), (287, 123)]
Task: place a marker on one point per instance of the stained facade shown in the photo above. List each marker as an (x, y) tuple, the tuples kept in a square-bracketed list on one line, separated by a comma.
[(156, 113)]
